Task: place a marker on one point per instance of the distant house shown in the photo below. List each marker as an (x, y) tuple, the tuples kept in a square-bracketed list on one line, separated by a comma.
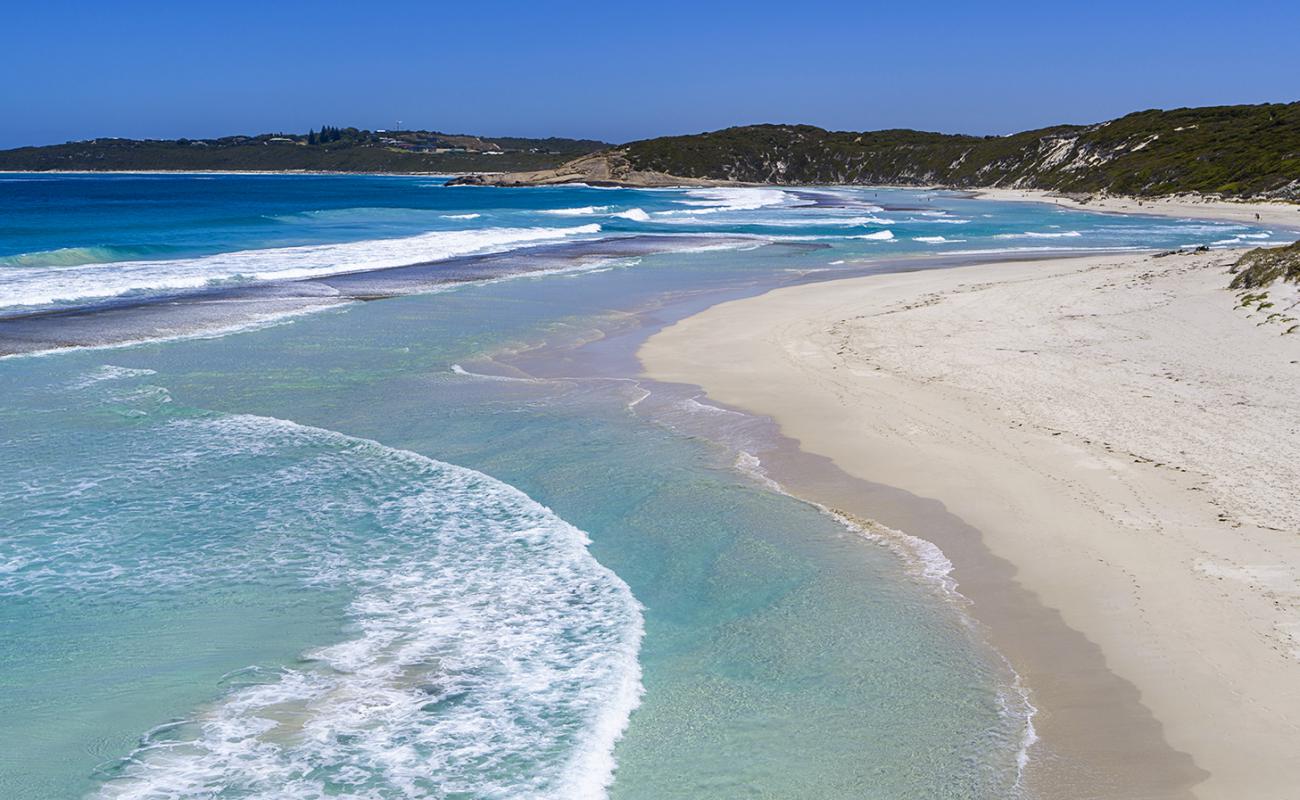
[(279, 139)]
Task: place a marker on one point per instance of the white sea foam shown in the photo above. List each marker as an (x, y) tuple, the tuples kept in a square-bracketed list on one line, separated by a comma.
[(634, 214), (693, 404), (583, 211), (749, 465), (883, 236), (487, 654), (1242, 238), (1039, 235), (940, 221), (461, 216), (108, 372), (723, 200), (811, 221), (51, 285), (936, 240), (457, 369), (1048, 249)]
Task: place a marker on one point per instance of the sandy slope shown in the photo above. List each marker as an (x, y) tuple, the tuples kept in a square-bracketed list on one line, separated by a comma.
[(1113, 428)]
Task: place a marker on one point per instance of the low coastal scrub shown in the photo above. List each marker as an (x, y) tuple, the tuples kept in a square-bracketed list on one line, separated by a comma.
[(1247, 151), (1264, 266), (1232, 151), (332, 149), (1268, 282)]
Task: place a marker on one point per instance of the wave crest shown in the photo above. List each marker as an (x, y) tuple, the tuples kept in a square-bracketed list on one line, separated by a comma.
[(45, 286), (488, 653)]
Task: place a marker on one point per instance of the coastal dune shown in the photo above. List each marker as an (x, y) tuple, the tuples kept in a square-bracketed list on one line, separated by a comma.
[(1110, 426)]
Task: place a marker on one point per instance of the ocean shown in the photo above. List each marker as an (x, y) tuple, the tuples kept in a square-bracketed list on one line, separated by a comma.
[(348, 486)]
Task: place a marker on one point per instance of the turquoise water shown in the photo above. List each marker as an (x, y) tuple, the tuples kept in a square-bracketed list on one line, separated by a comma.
[(412, 548)]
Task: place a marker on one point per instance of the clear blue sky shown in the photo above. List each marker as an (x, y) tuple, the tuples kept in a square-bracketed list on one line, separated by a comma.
[(620, 71)]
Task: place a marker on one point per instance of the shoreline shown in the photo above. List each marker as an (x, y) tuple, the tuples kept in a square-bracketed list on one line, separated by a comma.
[(1169, 618), (1194, 206)]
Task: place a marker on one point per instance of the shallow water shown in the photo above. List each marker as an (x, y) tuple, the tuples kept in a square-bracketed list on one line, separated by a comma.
[(413, 548)]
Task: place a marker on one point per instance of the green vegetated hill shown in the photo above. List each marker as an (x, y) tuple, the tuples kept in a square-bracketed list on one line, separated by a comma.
[(330, 149), (1229, 150), (1235, 151)]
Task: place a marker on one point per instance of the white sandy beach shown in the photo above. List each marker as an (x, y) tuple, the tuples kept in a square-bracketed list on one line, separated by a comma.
[(1113, 427)]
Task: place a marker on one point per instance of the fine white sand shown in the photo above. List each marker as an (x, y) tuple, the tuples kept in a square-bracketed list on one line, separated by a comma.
[(1113, 426)]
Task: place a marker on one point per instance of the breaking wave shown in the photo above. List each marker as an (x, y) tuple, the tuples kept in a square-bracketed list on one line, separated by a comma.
[(43, 286)]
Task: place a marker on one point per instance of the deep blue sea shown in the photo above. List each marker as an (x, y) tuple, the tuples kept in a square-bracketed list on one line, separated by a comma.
[(347, 486)]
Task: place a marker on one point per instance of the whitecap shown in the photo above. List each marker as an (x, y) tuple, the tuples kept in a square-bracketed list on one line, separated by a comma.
[(52, 285), (583, 211), (1039, 235), (634, 214), (728, 199), (936, 240)]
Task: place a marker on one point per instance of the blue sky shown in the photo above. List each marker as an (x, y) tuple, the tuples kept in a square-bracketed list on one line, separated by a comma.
[(621, 71)]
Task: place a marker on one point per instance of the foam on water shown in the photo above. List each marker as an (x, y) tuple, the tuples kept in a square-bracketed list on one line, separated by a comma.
[(935, 239), (486, 654), (108, 372), (1039, 235), (457, 369), (50, 285), (1243, 238), (581, 211), (724, 200), (634, 214), (814, 220)]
